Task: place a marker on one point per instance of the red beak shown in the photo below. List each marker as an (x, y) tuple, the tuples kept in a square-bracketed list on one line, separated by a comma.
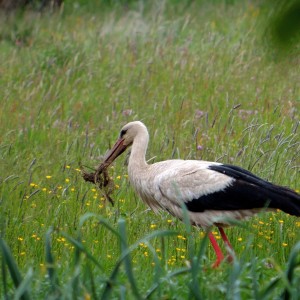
[(115, 151)]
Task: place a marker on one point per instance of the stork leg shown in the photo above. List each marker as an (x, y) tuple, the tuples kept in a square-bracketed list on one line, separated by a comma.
[(217, 249), (227, 243)]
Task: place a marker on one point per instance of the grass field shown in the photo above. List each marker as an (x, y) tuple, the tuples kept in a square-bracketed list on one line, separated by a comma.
[(204, 80)]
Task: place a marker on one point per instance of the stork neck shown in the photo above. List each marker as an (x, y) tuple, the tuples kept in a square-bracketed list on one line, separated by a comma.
[(137, 159)]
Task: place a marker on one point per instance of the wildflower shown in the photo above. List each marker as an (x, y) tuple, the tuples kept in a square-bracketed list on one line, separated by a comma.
[(118, 177), (78, 170), (146, 253), (108, 256), (44, 189), (72, 189), (182, 256), (298, 224), (33, 205), (284, 244), (202, 234), (87, 296), (280, 221), (239, 239), (33, 184), (48, 176), (67, 180), (153, 226), (20, 239), (23, 253), (94, 190), (68, 167), (169, 221), (117, 186)]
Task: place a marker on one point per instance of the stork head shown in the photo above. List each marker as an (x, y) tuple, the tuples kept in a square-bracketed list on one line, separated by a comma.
[(125, 140)]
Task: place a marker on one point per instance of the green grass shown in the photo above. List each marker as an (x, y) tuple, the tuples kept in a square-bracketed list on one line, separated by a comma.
[(196, 75)]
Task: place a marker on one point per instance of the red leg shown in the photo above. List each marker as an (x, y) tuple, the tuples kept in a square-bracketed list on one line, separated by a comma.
[(227, 243), (217, 249)]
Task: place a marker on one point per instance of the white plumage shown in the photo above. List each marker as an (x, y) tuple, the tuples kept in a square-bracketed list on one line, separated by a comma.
[(213, 193)]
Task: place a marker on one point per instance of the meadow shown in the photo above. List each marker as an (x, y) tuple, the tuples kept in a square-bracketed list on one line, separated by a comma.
[(207, 83)]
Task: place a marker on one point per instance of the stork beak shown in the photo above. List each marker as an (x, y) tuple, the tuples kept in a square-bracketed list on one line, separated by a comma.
[(115, 151)]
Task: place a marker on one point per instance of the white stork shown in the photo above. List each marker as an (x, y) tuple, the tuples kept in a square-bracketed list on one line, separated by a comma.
[(213, 193)]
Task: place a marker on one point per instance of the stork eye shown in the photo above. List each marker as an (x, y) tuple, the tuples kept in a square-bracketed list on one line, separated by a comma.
[(123, 132)]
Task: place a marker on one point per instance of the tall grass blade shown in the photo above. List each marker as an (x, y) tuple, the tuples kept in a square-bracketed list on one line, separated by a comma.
[(290, 271), (80, 247), (169, 276), (127, 259), (13, 268), (50, 264), (4, 277), (24, 286), (110, 283)]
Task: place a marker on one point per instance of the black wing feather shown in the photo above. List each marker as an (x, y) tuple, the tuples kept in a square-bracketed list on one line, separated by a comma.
[(248, 191)]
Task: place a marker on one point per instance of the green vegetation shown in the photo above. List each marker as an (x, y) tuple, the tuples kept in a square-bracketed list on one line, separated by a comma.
[(206, 84)]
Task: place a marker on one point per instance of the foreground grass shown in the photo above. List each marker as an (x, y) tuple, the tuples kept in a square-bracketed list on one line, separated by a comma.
[(204, 85)]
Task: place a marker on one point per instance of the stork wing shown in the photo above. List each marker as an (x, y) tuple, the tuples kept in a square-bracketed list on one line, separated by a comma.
[(220, 187)]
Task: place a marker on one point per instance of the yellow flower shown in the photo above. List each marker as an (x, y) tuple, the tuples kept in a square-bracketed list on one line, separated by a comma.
[(118, 177), (78, 170), (68, 167), (67, 180), (280, 221), (152, 226), (20, 239), (48, 176), (239, 239), (284, 244), (169, 221)]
